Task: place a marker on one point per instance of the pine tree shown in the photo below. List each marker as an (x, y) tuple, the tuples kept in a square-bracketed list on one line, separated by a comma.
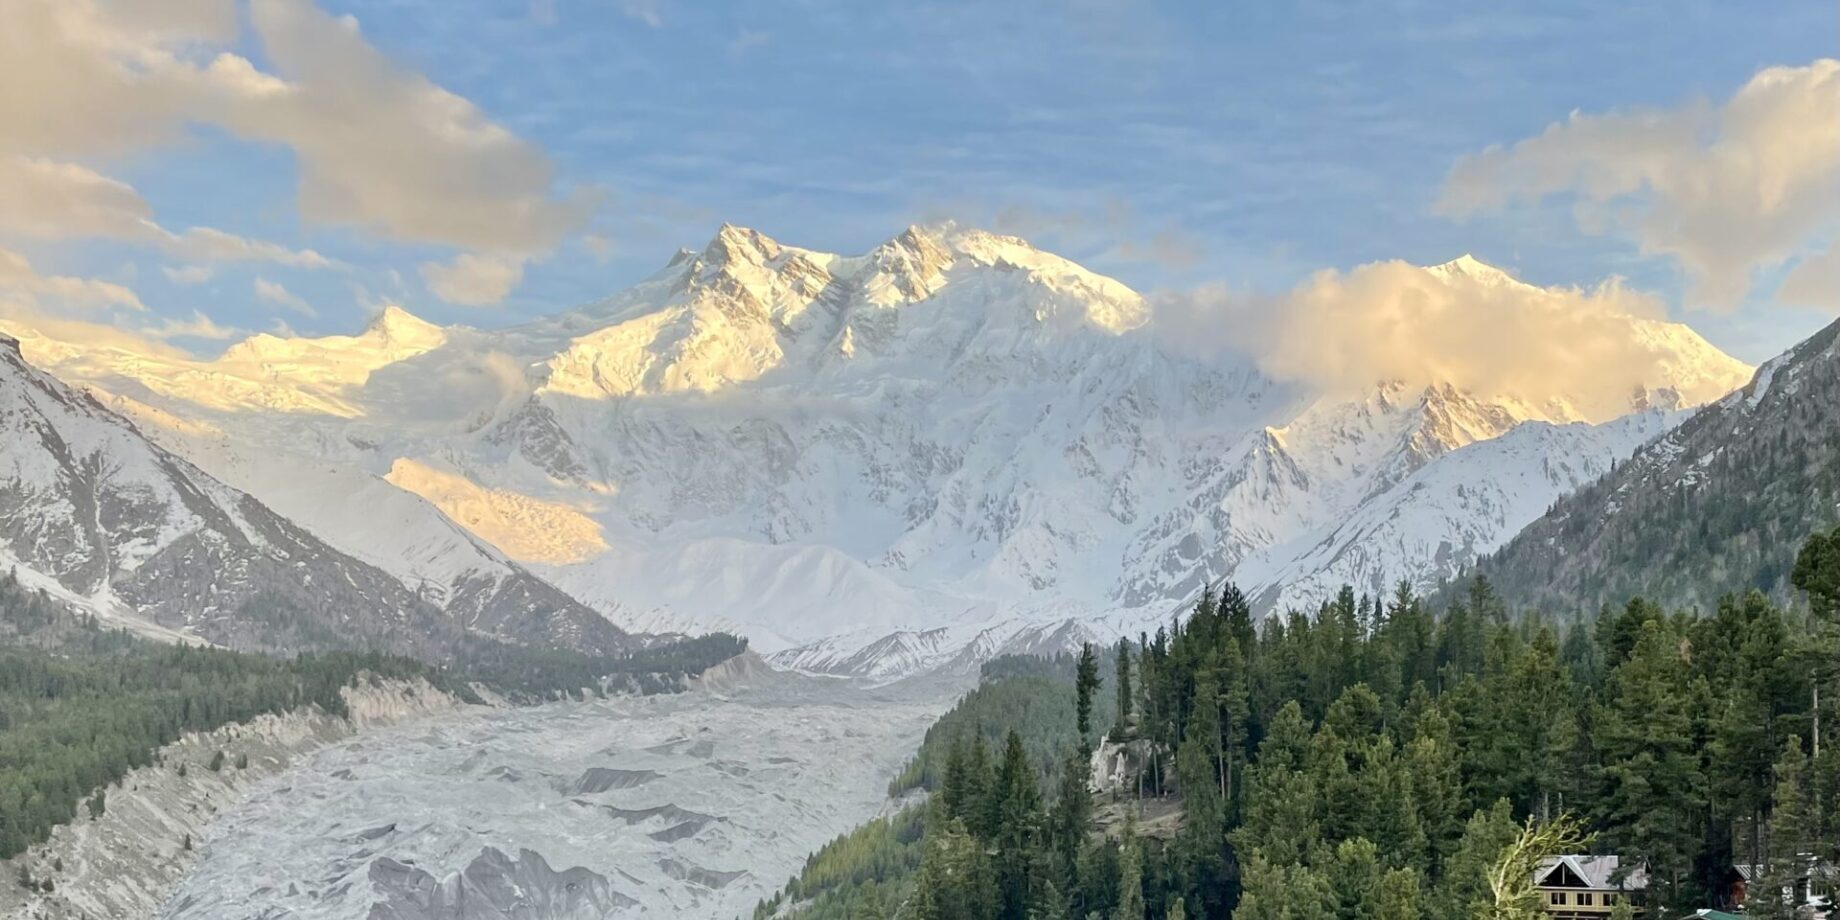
[(1020, 818), (1792, 836), (1130, 875), (1198, 760), (1121, 730), (1817, 572), (1086, 681), (1654, 790), (1463, 890), (955, 880)]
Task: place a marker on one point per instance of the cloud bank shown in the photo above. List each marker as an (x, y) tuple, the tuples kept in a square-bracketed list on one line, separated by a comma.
[(1724, 189), (380, 149), (1463, 323)]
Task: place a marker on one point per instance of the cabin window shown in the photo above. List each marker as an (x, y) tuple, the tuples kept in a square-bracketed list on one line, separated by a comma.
[(1557, 898), (1609, 900), (1584, 898)]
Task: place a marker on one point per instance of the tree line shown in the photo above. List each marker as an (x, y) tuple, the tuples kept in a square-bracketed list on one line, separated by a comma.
[(1372, 758)]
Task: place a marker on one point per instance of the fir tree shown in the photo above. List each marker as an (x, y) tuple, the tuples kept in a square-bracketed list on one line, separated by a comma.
[(1121, 729)]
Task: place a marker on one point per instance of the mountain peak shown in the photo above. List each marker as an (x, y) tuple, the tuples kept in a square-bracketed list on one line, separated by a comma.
[(397, 326), (1472, 268), (733, 244)]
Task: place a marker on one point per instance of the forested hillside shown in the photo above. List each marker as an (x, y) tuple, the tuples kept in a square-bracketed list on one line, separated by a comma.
[(1374, 759), (1719, 504)]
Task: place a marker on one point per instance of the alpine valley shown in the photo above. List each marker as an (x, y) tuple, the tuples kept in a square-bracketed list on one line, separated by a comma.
[(952, 447)]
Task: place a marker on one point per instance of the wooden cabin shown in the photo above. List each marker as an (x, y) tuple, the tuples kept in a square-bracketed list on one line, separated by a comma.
[(1579, 887)]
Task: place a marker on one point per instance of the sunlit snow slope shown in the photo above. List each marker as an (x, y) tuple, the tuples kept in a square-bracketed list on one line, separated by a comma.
[(952, 444)]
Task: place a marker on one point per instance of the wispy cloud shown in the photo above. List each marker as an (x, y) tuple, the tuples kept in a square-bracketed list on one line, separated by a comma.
[(188, 274), (473, 280), (20, 282), (197, 326), (1724, 189), (275, 293)]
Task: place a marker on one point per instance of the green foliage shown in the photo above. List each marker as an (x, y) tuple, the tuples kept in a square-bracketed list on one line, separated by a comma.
[(1033, 697), (1379, 760), (1817, 572)]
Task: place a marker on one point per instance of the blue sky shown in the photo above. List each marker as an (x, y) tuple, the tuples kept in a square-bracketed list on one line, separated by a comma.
[(1169, 144)]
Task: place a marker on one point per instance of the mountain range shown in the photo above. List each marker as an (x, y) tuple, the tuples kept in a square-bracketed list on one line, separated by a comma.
[(953, 445)]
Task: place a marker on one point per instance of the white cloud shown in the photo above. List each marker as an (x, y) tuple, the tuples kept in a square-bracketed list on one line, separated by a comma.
[(21, 283), (379, 148), (649, 12), (207, 245), (273, 292), (50, 200), (188, 274), (1723, 189), (199, 326), (1814, 281), (385, 150), (474, 280), (43, 199), (600, 246), (1473, 328)]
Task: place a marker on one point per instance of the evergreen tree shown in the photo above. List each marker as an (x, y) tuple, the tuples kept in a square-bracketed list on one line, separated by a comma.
[(1817, 572), (1198, 763), (1792, 836), (1130, 876), (1085, 682), (1121, 730), (1654, 790), (1017, 829)]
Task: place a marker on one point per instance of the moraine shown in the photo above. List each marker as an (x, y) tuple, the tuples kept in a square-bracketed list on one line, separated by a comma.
[(697, 804)]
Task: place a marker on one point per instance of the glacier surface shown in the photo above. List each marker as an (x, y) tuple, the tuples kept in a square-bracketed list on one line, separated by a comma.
[(689, 805)]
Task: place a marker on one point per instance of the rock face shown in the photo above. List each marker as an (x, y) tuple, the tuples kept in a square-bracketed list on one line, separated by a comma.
[(107, 519), (873, 463), (1720, 504), (123, 863)]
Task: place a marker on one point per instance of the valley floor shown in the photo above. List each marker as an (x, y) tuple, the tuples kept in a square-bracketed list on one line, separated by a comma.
[(696, 805)]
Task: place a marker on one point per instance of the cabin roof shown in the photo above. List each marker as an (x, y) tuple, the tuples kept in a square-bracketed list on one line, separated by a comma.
[(1597, 872)]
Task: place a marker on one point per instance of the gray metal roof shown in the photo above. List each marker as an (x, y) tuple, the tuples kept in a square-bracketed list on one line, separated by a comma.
[(1598, 872)]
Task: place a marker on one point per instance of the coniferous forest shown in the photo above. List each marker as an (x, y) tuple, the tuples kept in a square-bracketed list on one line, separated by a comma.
[(1376, 758)]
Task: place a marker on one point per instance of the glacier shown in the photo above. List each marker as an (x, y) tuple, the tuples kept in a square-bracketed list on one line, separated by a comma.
[(696, 804)]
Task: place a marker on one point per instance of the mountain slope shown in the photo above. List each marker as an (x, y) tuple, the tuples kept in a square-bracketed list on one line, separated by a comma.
[(1719, 504), (951, 434), (133, 531), (1431, 525)]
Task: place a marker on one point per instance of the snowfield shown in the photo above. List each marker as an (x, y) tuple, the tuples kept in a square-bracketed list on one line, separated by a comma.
[(692, 805), (872, 464)]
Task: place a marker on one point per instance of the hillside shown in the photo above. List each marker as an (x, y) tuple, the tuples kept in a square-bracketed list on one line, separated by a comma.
[(103, 519), (1720, 504)]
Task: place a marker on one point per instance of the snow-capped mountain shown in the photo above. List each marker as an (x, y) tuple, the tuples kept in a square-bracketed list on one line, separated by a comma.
[(875, 463), (96, 514)]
